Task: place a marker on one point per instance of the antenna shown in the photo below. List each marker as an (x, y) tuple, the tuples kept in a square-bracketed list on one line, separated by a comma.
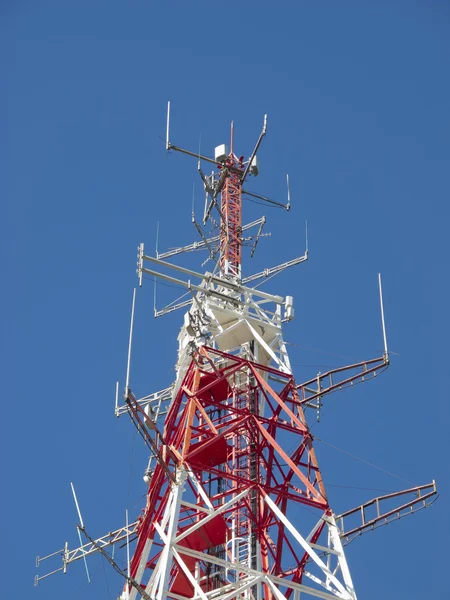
[(288, 205), (231, 137), (78, 529), (255, 150), (306, 235), (154, 278), (77, 505), (116, 412), (258, 235), (386, 354), (139, 264), (168, 126), (127, 383)]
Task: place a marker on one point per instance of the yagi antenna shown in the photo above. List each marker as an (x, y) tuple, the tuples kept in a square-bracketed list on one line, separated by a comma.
[(386, 354), (78, 529)]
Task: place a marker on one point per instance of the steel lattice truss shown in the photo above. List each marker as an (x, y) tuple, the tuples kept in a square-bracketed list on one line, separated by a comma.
[(225, 493), (231, 233)]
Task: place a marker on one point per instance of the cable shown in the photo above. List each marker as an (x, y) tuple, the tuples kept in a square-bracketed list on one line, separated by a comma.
[(321, 351), (106, 578), (263, 203), (84, 583), (315, 366), (355, 487), (161, 283), (364, 461), (133, 441)]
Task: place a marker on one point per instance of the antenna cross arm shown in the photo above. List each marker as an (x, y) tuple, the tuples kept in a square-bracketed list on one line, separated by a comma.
[(91, 547), (277, 269), (360, 522), (201, 157), (209, 278), (332, 381), (202, 244)]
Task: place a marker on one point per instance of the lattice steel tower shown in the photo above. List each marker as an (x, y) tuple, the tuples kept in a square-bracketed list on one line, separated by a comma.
[(232, 456)]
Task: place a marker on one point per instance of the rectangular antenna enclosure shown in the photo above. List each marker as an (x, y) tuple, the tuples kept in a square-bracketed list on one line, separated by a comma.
[(289, 314), (188, 325), (254, 167), (221, 153)]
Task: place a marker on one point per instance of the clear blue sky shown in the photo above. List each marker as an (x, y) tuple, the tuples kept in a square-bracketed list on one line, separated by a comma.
[(358, 98)]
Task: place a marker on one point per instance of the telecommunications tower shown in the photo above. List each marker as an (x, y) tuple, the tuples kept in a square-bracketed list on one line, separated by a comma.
[(232, 458)]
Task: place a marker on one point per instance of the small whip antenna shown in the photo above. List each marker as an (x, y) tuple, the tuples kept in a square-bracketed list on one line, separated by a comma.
[(154, 278), (130, 341), (168, 126), (288, 205), (386, 354), (306, 236), (79, 527)]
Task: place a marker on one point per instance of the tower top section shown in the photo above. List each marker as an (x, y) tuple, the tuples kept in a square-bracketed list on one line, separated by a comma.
[(224, 191)]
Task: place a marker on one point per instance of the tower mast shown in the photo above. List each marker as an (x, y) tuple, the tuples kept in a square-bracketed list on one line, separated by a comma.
[(232, 459)]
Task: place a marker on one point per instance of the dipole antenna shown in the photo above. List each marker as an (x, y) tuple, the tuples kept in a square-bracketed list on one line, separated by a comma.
[(78, 529)]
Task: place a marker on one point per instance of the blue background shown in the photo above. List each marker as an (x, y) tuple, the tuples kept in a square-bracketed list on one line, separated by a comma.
[(358, 97)]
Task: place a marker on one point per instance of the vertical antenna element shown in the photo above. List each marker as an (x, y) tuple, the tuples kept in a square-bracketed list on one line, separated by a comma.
[(253, 154), (78, 530), (306, 236), (232, 137), (116, 412), (154, 278), (127, 383), (140, 263), (77, 505), (288, 205), (386, 354), (168, 126)]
